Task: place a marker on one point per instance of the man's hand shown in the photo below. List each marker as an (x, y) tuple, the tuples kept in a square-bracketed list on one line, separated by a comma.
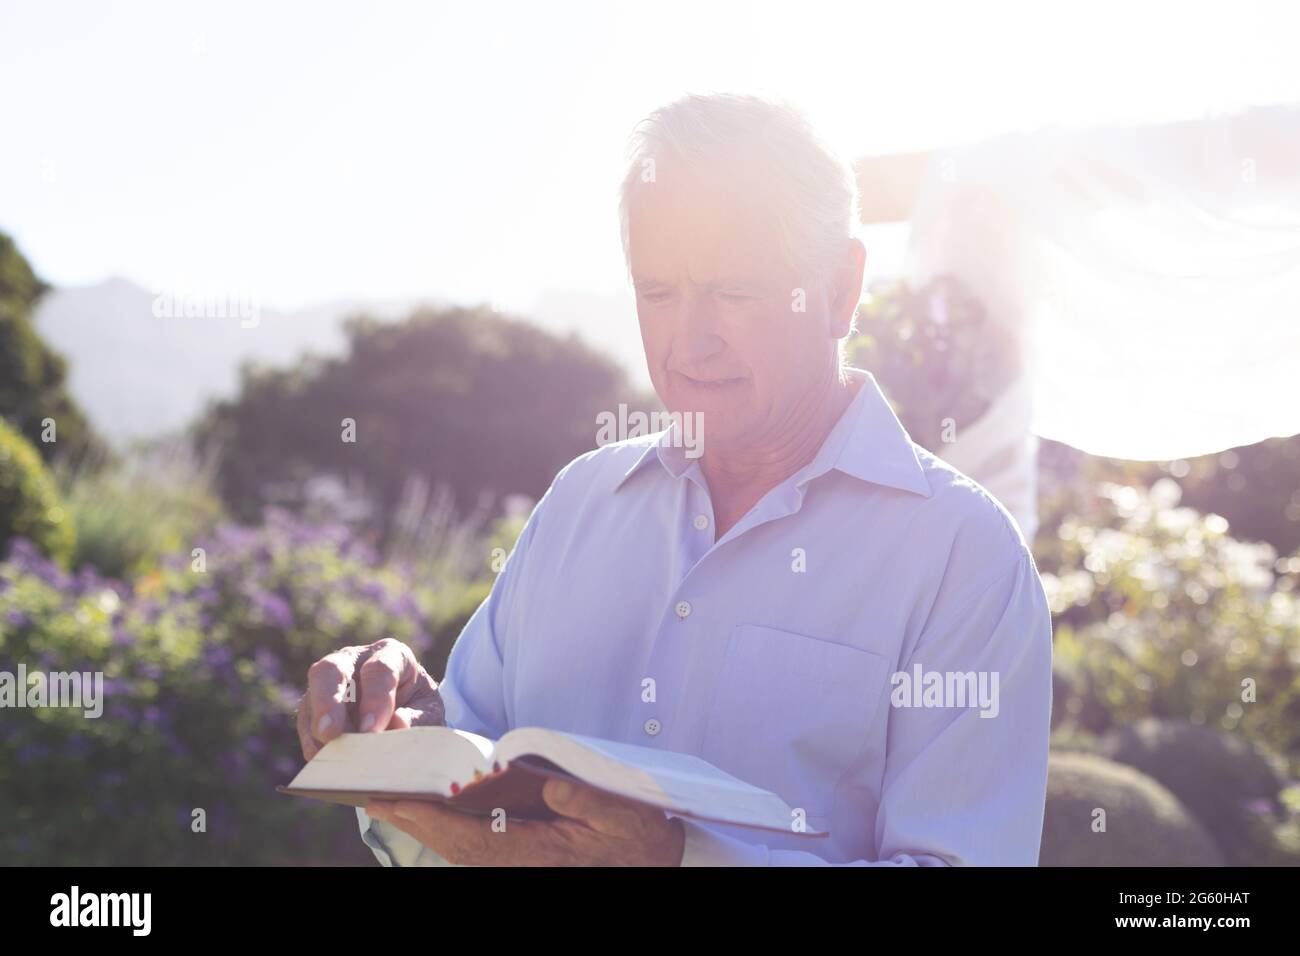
[(391, 690), (595, 829)]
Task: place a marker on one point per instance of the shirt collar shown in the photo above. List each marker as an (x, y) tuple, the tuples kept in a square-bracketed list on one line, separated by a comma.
[(868, 442)]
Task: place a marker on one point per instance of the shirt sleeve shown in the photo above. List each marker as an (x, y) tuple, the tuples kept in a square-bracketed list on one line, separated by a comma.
[(960, 788), (392, 847)]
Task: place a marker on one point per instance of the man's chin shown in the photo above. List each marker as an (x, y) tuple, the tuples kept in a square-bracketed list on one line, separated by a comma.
[(718, 428)]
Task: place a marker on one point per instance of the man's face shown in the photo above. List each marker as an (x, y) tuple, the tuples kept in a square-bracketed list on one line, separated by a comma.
[(716, 301)]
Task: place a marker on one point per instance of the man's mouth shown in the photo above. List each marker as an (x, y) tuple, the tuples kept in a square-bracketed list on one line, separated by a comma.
[(716, 384)]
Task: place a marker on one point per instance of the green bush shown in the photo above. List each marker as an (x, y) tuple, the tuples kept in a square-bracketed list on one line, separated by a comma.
[(131, 512), (457, 605), (452, 620), (30, 506), (1145, 825), (438, 544), (1159, 611)]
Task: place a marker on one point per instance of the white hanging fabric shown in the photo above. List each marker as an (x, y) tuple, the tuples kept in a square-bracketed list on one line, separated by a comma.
[(1151, 274), (1001, 453)]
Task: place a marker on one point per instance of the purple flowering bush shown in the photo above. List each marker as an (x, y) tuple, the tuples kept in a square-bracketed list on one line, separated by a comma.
[(204, 660)]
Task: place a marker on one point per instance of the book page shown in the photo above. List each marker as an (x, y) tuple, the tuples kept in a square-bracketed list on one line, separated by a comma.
[(414, 760)]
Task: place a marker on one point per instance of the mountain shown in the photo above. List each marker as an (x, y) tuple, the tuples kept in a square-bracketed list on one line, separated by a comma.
[(140, 366)]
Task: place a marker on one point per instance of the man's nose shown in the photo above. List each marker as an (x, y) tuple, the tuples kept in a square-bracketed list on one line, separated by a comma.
[(697, 339)]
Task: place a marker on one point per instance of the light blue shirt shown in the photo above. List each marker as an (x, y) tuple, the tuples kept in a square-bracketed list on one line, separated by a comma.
[(773, 652)]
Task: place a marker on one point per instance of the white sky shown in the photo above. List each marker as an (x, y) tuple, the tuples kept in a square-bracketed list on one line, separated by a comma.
[(306, 151)]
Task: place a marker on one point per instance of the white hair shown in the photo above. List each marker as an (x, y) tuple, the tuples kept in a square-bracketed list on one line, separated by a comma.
[(814, 191)]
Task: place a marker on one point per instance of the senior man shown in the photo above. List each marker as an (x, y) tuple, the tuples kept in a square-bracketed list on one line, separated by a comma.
[(795, 605)]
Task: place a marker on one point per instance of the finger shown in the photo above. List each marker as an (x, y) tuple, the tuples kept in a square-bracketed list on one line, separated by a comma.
[(405, 717), (599, 810), (388, 676), (433, 710), (327, 685)]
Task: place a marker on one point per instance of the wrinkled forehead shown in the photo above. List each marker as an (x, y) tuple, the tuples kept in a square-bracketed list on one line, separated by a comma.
[(704, 220)]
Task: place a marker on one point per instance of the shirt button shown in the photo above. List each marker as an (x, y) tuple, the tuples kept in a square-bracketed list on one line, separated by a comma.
[(683, 609), (701, 522), (652, 727)]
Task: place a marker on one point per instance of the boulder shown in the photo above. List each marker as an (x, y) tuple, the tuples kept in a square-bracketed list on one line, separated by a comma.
[(1145, 824)]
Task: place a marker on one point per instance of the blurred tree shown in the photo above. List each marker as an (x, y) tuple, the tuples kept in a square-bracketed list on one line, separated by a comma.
[(487, 405), (1255, 487), (32, 375)]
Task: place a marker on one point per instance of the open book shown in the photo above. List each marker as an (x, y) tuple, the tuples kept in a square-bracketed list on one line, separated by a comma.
[(470, 773)]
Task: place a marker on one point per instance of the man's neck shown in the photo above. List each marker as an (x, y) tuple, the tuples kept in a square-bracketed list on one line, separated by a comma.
[(739, 478)]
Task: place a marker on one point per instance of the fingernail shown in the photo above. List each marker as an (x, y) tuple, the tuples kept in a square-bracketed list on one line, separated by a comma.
[(367, 722), (563, 790), (324, 724)]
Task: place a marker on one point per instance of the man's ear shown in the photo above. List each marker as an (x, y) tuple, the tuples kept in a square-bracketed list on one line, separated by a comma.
[(846, 288)]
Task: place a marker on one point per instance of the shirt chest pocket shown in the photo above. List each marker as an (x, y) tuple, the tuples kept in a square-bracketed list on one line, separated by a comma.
[(792, 713)]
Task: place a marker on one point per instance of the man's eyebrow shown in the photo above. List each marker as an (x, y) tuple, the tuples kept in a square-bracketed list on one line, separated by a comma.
[(645, 282), (748, 283), (743, 283)]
